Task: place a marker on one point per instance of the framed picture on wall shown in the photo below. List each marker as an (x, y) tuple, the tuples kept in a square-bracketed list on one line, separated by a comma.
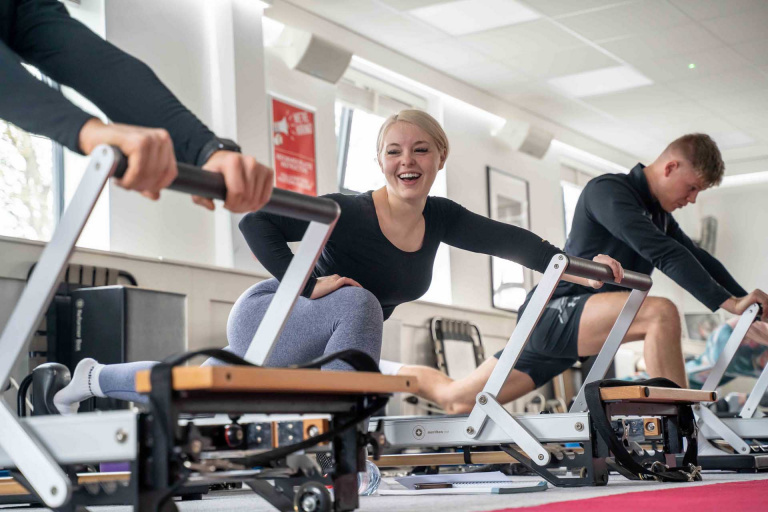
[(508, 201), (293, 146)]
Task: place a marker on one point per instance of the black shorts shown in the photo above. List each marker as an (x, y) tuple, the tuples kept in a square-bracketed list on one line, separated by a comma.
[(553, 346)]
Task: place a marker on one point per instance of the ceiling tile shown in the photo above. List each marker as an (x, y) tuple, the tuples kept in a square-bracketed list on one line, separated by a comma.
[(529, 37), (677, 67), (488, 75), (395, 31), (744, 153), (634, 100), (514, 93), (341, 11), (754, 51), (740, 28), (566, 62), (468, 16), (645, 146), (680, 114), (739, 80), (707, 9), (747, 103), (445, 54), (404, 5), (559, 109), (562, 7), (748, 119), (682, 39), (625, 19)]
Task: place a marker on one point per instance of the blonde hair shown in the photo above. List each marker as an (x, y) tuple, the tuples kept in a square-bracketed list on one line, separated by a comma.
[(421, 119)]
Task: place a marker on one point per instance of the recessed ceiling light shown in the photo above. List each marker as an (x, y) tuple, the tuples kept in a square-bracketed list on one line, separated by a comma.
[(600, 81), (730, 140), (469, 16), (750, 178), (691, 66)]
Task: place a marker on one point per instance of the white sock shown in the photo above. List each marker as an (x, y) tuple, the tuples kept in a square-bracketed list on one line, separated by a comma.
[(84, 385), (389, 367)]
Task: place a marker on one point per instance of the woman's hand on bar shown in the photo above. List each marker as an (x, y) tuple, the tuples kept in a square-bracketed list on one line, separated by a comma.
[(618, 271)]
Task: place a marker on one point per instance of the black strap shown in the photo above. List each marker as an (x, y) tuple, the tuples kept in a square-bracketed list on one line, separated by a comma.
[(603, 426), (467, 454), (357, 359)]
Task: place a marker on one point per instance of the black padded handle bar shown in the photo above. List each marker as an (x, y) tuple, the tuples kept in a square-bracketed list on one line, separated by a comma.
[(580, 267), (195, 181)]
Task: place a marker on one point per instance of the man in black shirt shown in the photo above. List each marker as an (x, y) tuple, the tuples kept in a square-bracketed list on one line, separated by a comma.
[(629, 218), (158, 130)]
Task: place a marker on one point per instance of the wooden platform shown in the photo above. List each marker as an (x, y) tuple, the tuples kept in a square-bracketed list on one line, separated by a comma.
[(656, 395), (10, 487), (238, 379)]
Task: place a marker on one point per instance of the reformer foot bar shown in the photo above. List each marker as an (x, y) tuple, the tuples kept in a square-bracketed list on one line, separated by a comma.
[(738, 443), (44, 452), (541, 438)]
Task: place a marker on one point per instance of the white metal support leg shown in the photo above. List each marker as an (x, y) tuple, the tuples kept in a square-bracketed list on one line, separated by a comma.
[(34, 462), (287, 294), (707, 417), (611, 345), (716, 375), (479, 415)]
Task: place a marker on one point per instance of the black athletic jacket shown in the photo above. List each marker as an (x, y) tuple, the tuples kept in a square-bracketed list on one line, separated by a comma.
[(617, 215), (41, 33)]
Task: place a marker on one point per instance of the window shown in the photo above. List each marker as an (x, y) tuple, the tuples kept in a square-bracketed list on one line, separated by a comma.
[(31, 187), (571, 194), (363, 104)]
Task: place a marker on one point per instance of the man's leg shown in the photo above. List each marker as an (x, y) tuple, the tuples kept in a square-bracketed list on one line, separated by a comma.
[(657, 323)]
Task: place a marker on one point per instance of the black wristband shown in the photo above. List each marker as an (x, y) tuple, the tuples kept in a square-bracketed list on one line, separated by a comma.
[(214, 145)]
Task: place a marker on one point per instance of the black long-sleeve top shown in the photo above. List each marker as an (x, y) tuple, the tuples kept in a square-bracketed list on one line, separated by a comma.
[(617, 215), (41, 33), (358, 249)]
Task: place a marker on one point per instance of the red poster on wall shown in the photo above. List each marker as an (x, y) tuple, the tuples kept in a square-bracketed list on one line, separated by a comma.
[(293, 144)]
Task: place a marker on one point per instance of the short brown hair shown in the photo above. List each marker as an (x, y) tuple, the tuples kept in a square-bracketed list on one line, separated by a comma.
[(704, 155)]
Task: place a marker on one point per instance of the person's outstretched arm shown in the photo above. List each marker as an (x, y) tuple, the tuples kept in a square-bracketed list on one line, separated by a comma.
[(472, 232)]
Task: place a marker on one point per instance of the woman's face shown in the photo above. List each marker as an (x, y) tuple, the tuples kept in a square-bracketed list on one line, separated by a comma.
[(410, 160)]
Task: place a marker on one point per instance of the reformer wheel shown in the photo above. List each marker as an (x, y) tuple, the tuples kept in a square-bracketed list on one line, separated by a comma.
[(312, 497)]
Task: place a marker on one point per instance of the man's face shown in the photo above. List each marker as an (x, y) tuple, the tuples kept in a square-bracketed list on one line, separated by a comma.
[(680, 185)]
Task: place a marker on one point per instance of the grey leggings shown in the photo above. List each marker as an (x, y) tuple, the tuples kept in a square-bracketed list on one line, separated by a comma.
[(350, 317)]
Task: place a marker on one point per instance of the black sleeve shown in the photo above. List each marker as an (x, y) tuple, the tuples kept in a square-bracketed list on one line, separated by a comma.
[(33, 106), (268, 235), (473, 232), (709, 262), (616, 208), (123, 87)]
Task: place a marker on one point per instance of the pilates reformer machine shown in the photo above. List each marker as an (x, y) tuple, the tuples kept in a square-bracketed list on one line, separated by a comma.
[(170, 446), (572, 449), (740, 442)]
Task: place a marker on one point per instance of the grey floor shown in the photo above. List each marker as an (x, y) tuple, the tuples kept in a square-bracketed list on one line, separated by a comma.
[(236, 501)]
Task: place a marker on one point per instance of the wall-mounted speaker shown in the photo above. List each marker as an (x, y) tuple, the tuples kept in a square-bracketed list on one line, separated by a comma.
[(311, 54), (524, 137)]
